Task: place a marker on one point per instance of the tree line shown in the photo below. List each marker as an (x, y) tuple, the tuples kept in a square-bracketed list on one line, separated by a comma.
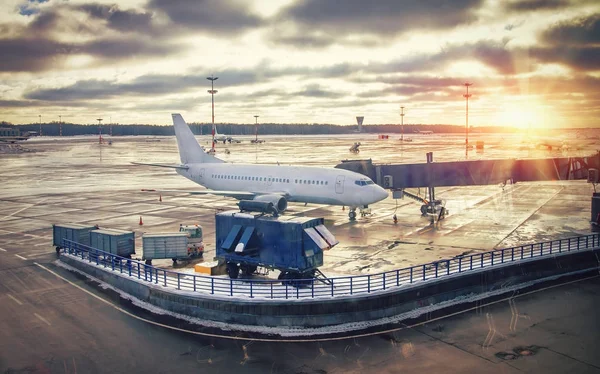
[(71, 129)]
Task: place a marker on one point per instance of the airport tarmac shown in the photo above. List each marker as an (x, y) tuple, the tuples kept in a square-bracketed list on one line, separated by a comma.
[(78, 180), (85, 182)]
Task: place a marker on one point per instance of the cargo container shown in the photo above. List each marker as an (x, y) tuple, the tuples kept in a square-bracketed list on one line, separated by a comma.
[(293, 245), (117, 242), (71, 231), (172, 245)]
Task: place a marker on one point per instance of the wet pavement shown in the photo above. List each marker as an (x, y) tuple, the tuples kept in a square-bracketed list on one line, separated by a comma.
[(50, 325), (78, 180)]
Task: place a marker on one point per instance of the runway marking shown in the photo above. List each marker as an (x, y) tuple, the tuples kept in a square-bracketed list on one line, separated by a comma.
[(18, 211), (42, 319), (21, 257), (362, 335), (14, 299), (3, 250)]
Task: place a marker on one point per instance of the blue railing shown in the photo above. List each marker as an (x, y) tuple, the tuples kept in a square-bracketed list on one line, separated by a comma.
[(314, 288)]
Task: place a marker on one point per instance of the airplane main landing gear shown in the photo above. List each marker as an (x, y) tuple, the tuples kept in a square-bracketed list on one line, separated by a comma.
[(352, 214), (364, 211)]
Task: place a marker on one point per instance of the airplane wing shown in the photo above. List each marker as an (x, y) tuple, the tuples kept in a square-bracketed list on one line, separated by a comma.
[(163, 165), (240, 195)]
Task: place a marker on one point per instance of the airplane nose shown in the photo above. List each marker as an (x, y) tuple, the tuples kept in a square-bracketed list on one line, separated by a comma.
[(381, 194)]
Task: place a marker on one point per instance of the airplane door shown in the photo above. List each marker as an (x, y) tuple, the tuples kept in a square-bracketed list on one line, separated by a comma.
[(339, 184), (270, 181)]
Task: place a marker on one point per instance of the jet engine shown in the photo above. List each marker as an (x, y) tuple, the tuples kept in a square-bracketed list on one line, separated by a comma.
[(279, 202)]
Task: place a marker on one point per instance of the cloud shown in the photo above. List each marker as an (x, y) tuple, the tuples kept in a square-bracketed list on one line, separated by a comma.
[(216, 17), (577, 31), (315, 91), (29, 54), (117, 19), (535, 5), (578, 58), (494, 54), (318, 23)]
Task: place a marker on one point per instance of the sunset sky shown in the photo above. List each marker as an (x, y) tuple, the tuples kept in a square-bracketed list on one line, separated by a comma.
[(532, 62)]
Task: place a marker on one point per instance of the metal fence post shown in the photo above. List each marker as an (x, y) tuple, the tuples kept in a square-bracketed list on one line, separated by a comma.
[(471, 262), (165, 277), (384, 281), (271, 289), (332, 287), (424, 272), (212, 286), (194, 282), (411, 274), (251, 295), (482, 260), (541, 249), (447, 267), (230, 287), (398, 277), (312, 288), (139, 275), (436, 269), (560, 246), (351, 285), (492, 257), (569, 250), (502, 260), (460, 264), (369, 283), (512, 254), (550, 247), (178, 282)]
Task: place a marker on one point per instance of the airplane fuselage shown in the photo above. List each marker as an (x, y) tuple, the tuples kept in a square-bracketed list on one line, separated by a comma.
[(308, 184)]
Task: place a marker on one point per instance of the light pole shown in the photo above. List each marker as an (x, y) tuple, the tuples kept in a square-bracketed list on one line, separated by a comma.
[(467, 96), (99, 130), (256, 129), (212, 93), (402, 122), (40, 125)]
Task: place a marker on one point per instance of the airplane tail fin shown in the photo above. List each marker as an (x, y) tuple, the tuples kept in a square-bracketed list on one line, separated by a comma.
[(189, 149)]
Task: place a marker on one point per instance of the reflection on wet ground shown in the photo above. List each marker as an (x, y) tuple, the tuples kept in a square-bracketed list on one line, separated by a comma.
[(77, 180)]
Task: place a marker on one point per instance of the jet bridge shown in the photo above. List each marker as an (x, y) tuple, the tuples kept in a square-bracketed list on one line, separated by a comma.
[(472, 173), (398, 177)]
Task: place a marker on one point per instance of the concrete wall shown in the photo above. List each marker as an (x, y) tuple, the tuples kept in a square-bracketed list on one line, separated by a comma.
[(328, 312)]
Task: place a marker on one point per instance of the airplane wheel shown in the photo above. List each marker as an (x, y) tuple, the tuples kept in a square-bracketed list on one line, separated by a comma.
[(352, 215), (232, 270), (248, 269)]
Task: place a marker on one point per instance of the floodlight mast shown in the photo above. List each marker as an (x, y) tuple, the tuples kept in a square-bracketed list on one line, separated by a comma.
[(212, 92), (467, 96), (402, 123)]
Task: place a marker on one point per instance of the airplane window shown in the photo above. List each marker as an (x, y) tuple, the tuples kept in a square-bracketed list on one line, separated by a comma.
[(370, 182), (326, 182)]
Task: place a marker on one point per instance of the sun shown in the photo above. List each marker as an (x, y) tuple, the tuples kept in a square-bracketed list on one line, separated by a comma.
[(520, 118)]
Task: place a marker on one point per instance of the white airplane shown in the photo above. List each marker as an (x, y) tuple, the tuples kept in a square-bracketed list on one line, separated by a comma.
[(273, 185), (223, 138)]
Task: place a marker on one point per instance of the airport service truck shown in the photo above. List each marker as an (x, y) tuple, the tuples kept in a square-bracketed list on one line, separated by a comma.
[(183, 245)]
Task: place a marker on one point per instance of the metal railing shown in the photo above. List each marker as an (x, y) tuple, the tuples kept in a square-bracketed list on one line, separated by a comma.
[(313, 288)]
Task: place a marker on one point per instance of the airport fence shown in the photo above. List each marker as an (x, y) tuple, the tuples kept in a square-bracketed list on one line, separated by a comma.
[(331, 287)]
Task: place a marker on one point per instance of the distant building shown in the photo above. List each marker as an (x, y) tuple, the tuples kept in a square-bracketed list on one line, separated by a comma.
[(9, 131)]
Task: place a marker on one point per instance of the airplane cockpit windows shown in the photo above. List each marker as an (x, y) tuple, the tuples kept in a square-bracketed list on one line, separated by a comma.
[(363, 182)]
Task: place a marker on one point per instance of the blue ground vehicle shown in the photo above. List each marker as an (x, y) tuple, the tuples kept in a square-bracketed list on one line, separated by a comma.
[(292, 245)]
